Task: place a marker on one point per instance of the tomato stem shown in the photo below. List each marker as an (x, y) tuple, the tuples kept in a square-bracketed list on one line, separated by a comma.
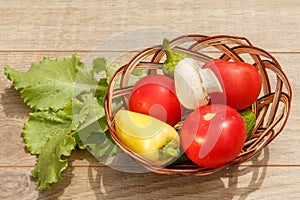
[(209, 116)]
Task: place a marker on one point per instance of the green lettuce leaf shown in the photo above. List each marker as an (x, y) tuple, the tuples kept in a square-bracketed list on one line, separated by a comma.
[(51, 135), (102, 145), (110, 70), (93, 133), (52, 83), (91, 124), (99, 64), (50, 163), (48, 134), (67, 100)]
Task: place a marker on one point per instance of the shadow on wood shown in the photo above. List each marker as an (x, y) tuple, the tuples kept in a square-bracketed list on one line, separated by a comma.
[(110, 184), (13, 105)]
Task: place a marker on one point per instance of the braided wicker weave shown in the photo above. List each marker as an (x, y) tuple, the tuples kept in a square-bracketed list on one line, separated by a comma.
[(272, 107)]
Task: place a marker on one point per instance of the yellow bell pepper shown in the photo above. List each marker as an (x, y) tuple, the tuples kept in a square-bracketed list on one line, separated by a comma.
[(149, 137)]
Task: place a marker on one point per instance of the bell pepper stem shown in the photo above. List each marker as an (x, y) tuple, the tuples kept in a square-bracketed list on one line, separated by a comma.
[(170, 150)]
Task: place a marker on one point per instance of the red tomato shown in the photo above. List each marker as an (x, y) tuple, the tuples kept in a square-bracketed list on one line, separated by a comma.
[(241, 83), (156, 79), (213, 135), (155, 95)]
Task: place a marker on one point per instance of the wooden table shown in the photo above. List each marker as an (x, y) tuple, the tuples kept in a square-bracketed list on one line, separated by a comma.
[(33, 29)]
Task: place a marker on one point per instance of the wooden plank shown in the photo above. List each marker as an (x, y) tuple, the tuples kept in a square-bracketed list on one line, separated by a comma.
[(84, 25), (16, 183), (104, 183)]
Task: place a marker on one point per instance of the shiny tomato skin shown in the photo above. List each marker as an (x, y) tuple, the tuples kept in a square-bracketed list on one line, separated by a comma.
[(241, 83), (213, 135), (156, 79), (157, 99)]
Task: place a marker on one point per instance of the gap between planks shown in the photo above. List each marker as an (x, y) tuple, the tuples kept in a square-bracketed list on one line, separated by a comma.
[(101, 166), (113, 51)]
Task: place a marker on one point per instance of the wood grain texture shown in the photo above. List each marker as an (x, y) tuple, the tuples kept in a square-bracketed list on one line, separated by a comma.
[(33, 29), (80, 24), (105, 183)]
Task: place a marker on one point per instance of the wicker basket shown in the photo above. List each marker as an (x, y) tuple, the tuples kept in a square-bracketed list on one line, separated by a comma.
[(272, 107)]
